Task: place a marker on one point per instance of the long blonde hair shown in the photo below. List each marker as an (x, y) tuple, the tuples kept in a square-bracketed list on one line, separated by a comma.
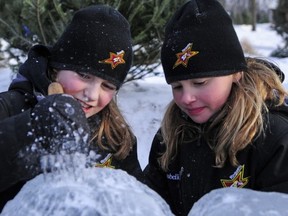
[(117, 134), (240, 121)]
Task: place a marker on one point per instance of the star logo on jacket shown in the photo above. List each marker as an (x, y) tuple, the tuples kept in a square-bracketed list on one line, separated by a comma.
[(184, 56), (236, 179), (106, 162), (115, 59)]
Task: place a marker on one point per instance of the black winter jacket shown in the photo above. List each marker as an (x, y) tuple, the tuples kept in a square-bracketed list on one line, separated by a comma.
[(263, 167), (15, 109)]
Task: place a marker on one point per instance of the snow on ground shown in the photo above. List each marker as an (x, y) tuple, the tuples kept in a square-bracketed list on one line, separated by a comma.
[(144, 105), (5, 78)]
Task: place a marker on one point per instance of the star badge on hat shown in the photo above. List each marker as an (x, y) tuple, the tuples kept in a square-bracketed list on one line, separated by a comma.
[(184, 56), (115, 59)]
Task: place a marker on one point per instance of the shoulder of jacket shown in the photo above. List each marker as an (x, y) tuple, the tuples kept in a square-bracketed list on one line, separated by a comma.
[(277, 120), (275, 131), (15, 102)]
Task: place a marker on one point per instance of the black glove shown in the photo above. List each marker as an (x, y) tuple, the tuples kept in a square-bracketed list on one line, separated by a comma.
[(60, 124), (59, 127)]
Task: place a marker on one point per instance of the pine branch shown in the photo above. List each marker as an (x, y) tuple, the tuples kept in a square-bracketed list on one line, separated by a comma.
[(39, 21), (14, 32)]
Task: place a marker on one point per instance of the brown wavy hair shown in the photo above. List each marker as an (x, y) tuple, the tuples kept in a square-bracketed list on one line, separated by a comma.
[(116, 131), (239, 121)]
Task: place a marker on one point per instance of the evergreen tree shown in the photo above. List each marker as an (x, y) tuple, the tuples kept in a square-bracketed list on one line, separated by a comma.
[(280, 16), (24, 23)]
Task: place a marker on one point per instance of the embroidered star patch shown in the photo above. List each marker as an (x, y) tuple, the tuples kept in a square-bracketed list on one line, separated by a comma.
[(107, 162), (115, 59), (236, 180), (184, 56)]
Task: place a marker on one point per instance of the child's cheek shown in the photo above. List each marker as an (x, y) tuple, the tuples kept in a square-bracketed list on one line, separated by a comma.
[(72, 86)]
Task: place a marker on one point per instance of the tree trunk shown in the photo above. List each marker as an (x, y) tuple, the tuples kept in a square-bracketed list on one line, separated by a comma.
[(254, 14)]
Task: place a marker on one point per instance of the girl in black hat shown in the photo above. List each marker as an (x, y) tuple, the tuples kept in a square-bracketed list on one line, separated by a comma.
[(227, 125), (88, 65)]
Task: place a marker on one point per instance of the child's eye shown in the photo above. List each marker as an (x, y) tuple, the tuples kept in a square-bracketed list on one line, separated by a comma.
[(109, 86), (176, 87), (84, 75), (200, 82)]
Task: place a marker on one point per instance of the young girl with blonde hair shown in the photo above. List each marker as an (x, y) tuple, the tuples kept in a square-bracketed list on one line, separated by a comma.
[(227, 125), (88, 64)]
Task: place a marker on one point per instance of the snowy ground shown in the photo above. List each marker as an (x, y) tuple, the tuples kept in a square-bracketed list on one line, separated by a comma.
[(143, 103)]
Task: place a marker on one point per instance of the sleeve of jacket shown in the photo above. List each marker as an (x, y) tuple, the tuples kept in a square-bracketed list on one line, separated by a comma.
[(155, 177), (273, 175), (131, 164), (13, 137)]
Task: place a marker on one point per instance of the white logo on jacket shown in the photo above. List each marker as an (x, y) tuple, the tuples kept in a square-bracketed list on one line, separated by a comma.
[(176, 176)]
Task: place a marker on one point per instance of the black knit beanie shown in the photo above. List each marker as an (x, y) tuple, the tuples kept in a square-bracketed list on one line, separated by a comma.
[(200, 41), (97, 41)]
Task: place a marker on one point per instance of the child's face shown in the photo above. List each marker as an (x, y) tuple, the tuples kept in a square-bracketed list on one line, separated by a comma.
[(202, 98), (91, 91)]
